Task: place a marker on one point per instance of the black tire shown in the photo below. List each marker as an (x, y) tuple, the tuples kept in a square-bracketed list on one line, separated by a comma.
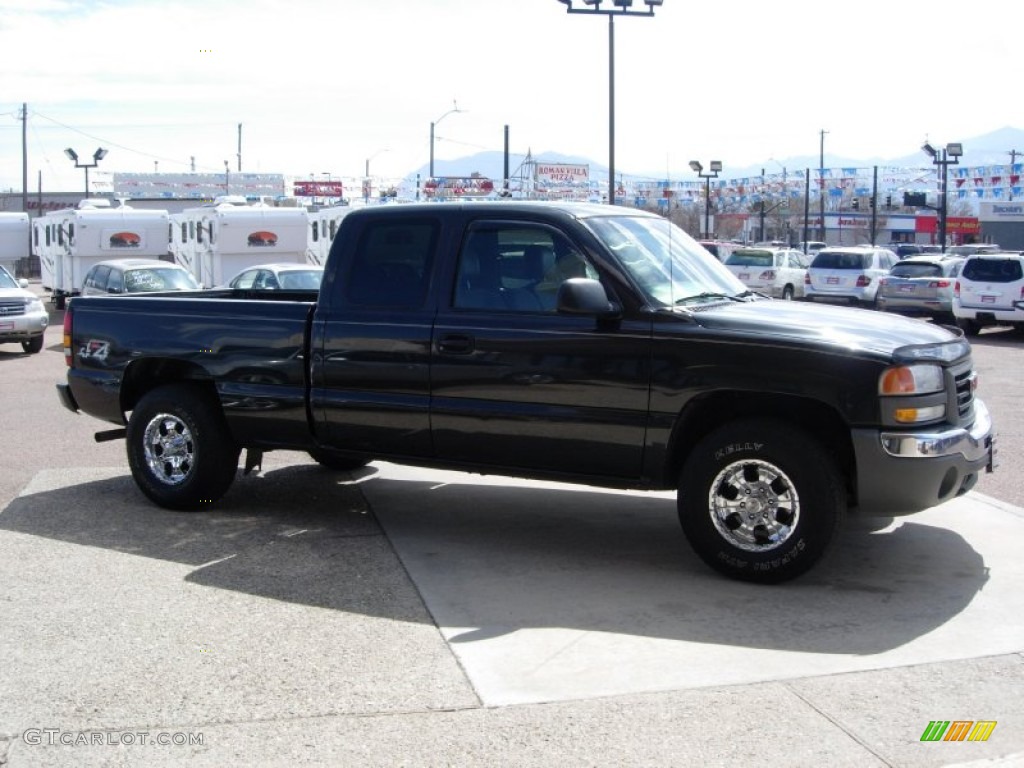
[(33, 345), (781, 479), (337, 462), (179, 449), (787, 293), (60, 301), (969, 327)]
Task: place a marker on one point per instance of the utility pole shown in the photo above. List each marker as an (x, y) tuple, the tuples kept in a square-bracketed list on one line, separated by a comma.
[(239, 147), (821, 184), (24, 158)]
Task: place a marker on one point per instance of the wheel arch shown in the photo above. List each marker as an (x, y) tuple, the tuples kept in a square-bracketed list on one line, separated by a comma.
[(143, 376), (708, 412)]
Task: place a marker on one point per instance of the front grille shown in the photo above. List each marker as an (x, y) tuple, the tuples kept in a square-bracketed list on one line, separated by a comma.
[(963, 378), (12, 307)]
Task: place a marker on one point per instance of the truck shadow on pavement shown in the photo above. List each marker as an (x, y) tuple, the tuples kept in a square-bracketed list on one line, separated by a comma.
[(498, 558)]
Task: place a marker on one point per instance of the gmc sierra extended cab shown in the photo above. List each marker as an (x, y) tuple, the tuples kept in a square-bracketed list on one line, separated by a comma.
[(585, 343)]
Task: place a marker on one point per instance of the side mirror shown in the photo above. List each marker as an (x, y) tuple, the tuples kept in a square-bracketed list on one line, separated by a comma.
[(584, 296), (22, 283)]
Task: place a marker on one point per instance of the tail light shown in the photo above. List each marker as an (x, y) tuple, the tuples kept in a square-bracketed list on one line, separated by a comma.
[(863, 281), (768, 274), (939, 284), (67, 337), (807, 278), (956, 289)]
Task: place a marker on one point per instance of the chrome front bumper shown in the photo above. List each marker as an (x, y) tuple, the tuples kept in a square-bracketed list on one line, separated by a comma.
[(974, 444)]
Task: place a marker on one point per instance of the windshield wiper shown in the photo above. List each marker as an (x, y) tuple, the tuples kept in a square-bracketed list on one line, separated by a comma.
[(707, 295)]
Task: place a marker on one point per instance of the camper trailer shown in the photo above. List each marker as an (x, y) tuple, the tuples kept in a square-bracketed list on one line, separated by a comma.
[(68, 242), (217, 241), (323, 225), (14, 233)]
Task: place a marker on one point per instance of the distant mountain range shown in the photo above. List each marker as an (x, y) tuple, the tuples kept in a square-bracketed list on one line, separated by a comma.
[(990, 149)]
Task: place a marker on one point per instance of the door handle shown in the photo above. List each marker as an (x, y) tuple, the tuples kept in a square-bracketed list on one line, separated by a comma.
[(455, 344)]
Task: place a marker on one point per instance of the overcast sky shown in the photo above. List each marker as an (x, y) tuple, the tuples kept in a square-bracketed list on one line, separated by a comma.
[(322, 86)]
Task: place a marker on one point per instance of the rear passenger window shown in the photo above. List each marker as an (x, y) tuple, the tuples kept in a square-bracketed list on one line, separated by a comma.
[(393, 264)]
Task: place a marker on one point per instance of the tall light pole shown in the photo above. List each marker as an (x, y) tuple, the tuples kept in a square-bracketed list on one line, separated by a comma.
[(367, 190), (98, 155), (941, 158), (821, 183), (618, 8), (713, 171), (454, 109)]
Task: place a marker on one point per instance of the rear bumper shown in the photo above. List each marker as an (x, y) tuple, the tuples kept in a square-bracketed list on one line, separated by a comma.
[(67, 398), (905, 472)]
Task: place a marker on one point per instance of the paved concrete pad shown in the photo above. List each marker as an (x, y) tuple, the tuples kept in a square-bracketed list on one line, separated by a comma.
[(117, 613), (549, 592)]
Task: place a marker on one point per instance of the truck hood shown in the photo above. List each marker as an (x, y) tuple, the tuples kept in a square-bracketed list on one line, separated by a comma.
[(850, 328)]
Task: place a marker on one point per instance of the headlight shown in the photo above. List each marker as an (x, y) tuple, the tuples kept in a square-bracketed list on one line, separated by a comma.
[(34, 305), (911, 380)]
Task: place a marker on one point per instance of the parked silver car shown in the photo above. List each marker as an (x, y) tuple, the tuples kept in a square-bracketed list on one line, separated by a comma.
[(288, 276), (126, 276), (921, 285)]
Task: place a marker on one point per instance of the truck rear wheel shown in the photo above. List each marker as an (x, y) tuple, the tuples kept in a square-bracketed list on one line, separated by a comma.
[(179, 449), (760, 500)]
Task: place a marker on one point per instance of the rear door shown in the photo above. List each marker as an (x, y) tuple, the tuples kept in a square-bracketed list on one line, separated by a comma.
[(370, 367), (517, 385)]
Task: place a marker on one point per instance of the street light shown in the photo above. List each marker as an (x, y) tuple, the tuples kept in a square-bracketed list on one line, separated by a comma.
[(98, 155), (716, 167), (941, 158), (366, 176), (455, 108), (618, 8)]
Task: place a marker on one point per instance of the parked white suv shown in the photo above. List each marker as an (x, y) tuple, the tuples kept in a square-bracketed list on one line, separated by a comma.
[(990, 291), (776, 272), (848, 274), (23, 318)]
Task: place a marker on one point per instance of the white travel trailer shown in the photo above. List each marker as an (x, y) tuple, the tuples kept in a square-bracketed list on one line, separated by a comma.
[(14, 233), (215, 242), (323, 226), (68, 242)]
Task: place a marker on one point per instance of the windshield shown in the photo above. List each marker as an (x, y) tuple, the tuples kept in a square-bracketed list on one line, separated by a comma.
[(667, 264), (169, 279), (6, 281)]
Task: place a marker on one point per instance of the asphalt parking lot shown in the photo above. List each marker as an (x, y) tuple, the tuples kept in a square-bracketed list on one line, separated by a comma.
[(400, 616)]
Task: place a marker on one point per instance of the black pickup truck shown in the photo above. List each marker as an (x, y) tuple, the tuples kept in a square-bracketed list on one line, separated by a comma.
[(586, 343)]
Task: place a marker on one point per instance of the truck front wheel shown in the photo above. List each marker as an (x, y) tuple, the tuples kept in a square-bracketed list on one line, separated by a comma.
[(760, 500), (179, 449)]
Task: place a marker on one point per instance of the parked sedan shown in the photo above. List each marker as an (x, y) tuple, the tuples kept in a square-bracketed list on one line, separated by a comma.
[(279, 277), (126, 276), (921, 285), (776, 272)]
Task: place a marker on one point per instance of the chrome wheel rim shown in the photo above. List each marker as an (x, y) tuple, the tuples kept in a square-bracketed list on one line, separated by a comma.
[(754, 505), (169, 449)]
